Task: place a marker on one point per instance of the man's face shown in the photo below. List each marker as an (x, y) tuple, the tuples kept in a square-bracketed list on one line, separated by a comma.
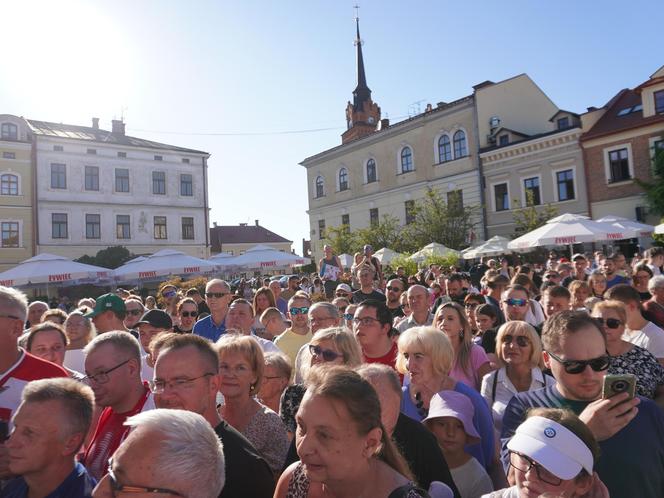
[(146, 333), (320, 319), (580, 265), (454, 288), (418, 298), (608, 267), (134, 312), (35, 311), (275, 287), (515, 305), (372, 333), (36, 440), (585, 344), (394, 290), (552, 277), (554, 304), (119, 382), (294, 284), (620, 262), (366, 278), (240, 317), (10, 329), (299, 318), (182, 365), (217, 303)]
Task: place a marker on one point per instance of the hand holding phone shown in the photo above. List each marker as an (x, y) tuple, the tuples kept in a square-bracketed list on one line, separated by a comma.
[(619, 383)]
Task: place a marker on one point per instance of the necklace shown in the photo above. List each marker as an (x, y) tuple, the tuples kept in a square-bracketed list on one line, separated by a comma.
[(419, 404)]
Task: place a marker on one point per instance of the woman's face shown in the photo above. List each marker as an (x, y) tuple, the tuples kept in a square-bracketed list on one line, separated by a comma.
[(262, 303), (515, 349), (419, 366), (273, 383), (236, 375), (449, 322), (75, 328), (484, 322), (188, 315), (470, 311), (48, 345), (613, 335), (598, 286), (531, 485), (327, 347), (328, 442), (405, 305), (641, 279)]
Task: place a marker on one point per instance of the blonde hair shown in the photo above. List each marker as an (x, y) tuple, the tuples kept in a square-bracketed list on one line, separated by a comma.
[(613, 305), (518, 328), (344, 340), (430, 341), (248, 348), (463, 357)]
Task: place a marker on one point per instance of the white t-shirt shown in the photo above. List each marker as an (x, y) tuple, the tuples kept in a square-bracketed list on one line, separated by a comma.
[(650, 337), (75, 360), (471, 479)]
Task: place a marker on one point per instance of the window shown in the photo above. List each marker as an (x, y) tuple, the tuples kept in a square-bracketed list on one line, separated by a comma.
[(343, 179), (185, 160), (91, 178), (618, 166), (373, 216), (122, 155), (58, 148), (321, 229), (9, 131), (410, 211), (158, 158), (159, 182), (371, 171), (59, 225), (9, 233), (345, 220), (504, 139), (460, 148), (658, 146), (455, 200), (531, 187), (92, 226), (563, 123), (188, 228), (320, 187), (160, 227), (444, 149), (565, 184), (92, 151), (122, 226), (186, 185), (121, 180), (406, 160), (9, 155), (8, 184), (501, 197), (659, 102), (58, 175)]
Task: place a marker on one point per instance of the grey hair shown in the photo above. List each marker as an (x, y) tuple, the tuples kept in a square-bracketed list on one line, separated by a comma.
[(280, 362), (656, 282), (332, 310), (372, 372), (121, 341), (14, 301), (191, 454), (217, 281)]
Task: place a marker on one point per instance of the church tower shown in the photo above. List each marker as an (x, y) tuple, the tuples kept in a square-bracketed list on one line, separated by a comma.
[(362, 115)]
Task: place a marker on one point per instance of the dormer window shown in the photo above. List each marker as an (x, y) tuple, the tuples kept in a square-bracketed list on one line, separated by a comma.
[(504, 139), (9, 131), (563, 123), (659, 102)]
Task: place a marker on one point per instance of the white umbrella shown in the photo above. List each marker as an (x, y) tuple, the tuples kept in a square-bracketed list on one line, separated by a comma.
[(52, 270), (639, 229), (659, 229), (385, 255), (266, 258), (495, 246), (222, 260), (433, 249), (346, 260), (163, 263), (568, 229)]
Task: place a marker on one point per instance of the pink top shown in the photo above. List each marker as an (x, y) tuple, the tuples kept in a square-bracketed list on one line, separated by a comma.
[(477, 358)]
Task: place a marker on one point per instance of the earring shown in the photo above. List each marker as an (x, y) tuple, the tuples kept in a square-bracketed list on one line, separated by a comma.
[(461, 335)]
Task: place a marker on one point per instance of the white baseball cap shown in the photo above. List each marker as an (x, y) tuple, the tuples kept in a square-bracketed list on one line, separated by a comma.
[(553, 446)]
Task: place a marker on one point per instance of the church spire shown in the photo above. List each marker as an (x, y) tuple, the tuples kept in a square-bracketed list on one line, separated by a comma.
[(362, 93)]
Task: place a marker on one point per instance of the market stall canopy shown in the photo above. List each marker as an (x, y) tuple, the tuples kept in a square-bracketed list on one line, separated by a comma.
[(49, 269), (385, 255), (262, 257), (222, 260), (433, 249), (568, 229), (161, 264), (495, 246), (640, 229)]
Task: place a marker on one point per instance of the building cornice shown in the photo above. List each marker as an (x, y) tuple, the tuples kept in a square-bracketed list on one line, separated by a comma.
[(532, 146)]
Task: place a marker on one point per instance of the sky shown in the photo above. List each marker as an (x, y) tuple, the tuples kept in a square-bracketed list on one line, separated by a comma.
[(261, 85)]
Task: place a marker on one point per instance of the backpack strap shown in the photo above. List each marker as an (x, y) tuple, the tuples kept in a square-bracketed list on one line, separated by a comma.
[(493, 387)]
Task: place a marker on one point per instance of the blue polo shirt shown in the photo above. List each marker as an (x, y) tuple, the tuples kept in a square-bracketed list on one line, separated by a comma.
[(78, 484), (205, 327)]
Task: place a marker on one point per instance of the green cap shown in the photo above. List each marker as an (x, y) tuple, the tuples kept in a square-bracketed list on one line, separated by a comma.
[(107, 302)]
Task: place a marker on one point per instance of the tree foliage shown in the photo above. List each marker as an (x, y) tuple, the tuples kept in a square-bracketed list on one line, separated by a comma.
[(528, 218), (655, 189), (385, 233), (111, 257), (342, 240)]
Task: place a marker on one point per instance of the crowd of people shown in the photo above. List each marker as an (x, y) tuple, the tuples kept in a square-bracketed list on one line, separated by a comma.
[(367, 382)]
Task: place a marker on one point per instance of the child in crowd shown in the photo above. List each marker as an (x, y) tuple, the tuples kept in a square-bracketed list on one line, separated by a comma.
[(450, 419)]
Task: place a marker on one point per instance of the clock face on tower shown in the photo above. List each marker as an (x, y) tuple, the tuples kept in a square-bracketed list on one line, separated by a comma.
[(370, 120)]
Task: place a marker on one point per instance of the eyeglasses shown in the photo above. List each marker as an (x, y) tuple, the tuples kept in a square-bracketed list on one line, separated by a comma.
[(192, 314), (313, 319), (524, 464), (135, 312), (367, 320), (521, 341), (577, 366), (612, 323), (326, 354), (515, 302), (348, 316), (394, 289), (158, 386), (299, 311), (102, 377), (117, 488), (217, 295)]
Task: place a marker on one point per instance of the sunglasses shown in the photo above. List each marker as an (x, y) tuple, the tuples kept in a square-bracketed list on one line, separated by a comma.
[(170, 293), (515, 302), (612, 323), (299, 311), (393, 289), (326, 354), (216, 295), (520, 340), (348, 316), (187, 314), (577, 366), (342, 293)]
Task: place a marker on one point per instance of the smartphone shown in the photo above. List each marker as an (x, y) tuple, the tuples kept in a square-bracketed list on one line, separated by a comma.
[(619, 383)]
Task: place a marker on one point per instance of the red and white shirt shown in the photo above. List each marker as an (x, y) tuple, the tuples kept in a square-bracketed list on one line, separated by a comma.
[(12, 382)]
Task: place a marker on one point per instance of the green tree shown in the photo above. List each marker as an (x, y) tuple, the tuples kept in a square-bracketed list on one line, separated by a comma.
[(447, 223), (655, 189), (528, 218), (111, 257), (403, 260), (342, 240), (385, 233)]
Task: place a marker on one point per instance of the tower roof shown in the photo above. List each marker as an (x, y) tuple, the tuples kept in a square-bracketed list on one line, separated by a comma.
[(362, 93)]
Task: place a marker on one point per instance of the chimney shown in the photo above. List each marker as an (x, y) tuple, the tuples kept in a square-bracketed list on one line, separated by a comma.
[(257, 223), (429, 108), (118, 127), (95, 123), (214, 224)]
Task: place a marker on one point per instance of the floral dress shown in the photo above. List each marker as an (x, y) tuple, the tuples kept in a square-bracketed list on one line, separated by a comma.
[(642, 363)]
